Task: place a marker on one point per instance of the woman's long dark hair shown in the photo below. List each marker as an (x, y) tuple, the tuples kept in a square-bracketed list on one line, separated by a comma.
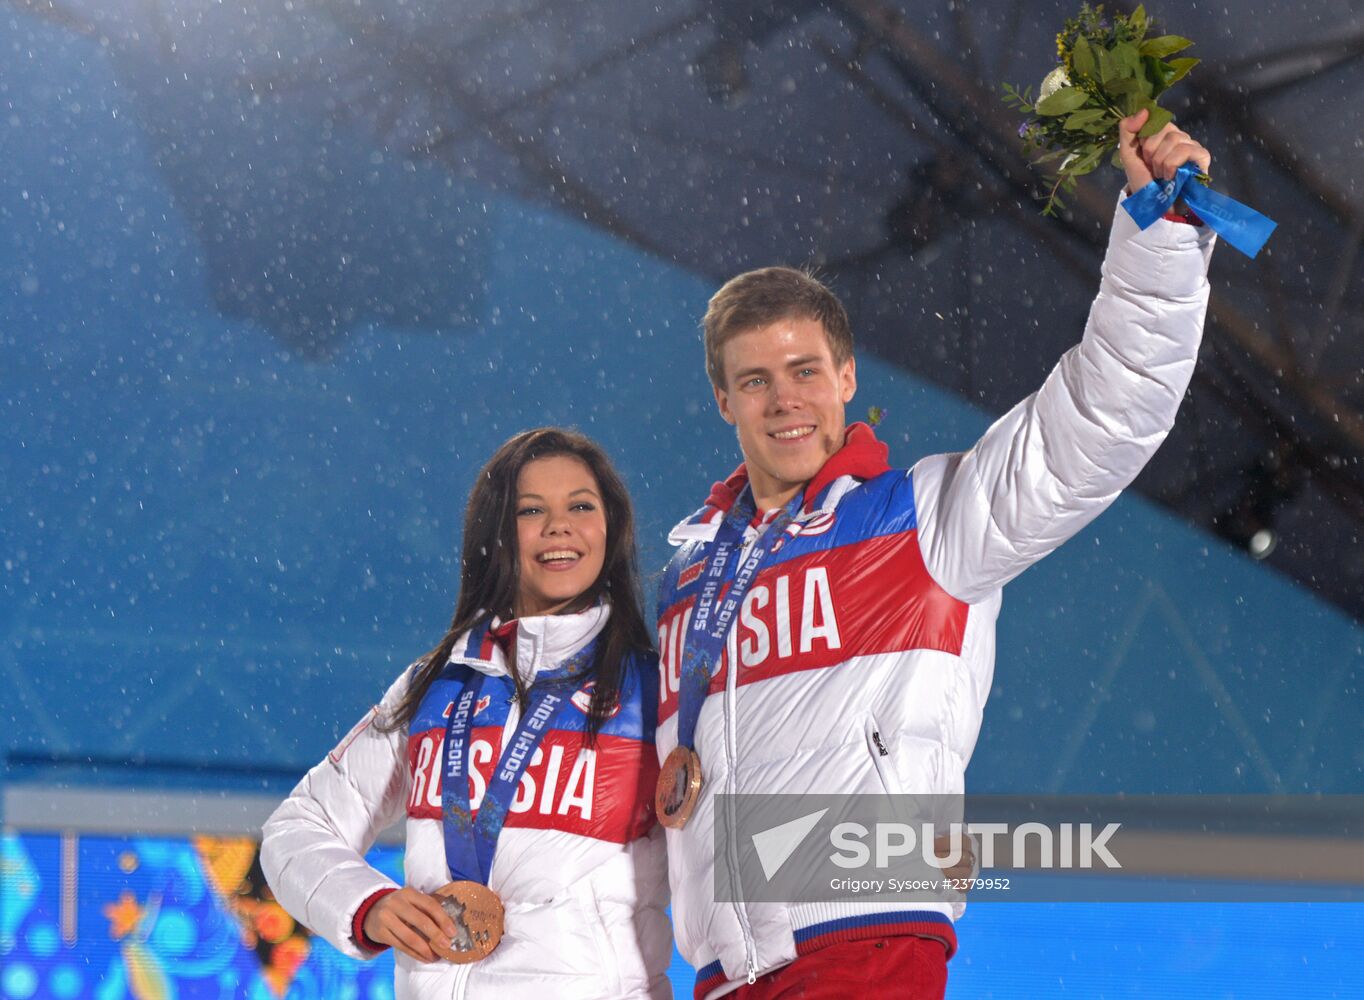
[(489, 571)]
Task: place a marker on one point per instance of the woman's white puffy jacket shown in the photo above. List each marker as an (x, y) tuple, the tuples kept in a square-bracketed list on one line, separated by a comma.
[(579, 866)]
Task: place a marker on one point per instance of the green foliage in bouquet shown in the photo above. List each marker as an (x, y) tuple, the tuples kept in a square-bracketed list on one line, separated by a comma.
[(1107, 70)]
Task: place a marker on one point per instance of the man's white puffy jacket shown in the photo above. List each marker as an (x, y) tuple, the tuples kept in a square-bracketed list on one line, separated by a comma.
[(866, 646), (579, 866)]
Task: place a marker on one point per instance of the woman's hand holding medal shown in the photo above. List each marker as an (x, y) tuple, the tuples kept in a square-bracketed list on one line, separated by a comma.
[(409, 920)]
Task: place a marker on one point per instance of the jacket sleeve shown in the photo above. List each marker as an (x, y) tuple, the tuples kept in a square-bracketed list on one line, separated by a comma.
[(652, 928), (313, 846), (1056, 460)]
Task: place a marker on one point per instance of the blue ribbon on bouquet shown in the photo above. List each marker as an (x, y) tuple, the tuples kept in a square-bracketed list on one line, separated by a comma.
[(1240, 225)]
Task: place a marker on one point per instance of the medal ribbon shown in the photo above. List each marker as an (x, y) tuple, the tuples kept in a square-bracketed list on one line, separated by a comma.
[(710, 626), (470, 841), (1240, 225)]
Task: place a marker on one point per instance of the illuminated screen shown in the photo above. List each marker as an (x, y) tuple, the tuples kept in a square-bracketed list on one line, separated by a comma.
[(106, 917), (110, 917)]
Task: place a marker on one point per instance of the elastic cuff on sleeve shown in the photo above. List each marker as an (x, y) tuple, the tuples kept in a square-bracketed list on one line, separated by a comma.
[(357, 927)]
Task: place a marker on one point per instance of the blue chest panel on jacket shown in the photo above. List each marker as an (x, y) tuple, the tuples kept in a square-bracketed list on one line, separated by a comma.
[(634, 719), (880, 506)]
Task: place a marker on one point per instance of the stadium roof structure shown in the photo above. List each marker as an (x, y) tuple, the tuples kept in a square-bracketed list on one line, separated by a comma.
[(866, 137)]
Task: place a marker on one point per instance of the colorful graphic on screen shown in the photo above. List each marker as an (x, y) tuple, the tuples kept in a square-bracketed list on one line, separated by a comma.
[(162, 919)]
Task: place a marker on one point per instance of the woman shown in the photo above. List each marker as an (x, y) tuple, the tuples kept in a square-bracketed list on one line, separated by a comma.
[(541, 701)]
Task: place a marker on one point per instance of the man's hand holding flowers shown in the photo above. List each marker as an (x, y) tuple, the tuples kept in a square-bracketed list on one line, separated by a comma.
[(1159, 156)]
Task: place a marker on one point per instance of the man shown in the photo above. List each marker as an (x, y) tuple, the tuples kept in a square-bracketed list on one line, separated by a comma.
[(860, 651)]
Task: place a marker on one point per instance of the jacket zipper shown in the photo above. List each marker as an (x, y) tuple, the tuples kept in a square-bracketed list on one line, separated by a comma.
[(731, 742)]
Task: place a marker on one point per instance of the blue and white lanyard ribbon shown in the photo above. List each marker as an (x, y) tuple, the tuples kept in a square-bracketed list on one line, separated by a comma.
[(471, 841), (1240, 225), (710, 625)]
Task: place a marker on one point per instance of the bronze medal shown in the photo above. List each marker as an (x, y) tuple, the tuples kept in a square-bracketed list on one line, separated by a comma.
[(478, 914), (679, 788)]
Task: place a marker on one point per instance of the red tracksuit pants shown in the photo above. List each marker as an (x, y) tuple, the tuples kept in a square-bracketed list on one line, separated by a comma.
[(892, 968)]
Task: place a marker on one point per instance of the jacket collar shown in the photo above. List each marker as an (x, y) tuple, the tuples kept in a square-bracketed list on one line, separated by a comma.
[(862, 457), (540, 642)]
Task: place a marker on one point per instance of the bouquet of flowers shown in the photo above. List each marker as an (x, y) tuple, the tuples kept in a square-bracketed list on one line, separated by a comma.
[(1107, 70)]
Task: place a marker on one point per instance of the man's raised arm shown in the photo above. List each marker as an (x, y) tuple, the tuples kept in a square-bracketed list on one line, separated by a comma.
[(1056, 460)]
